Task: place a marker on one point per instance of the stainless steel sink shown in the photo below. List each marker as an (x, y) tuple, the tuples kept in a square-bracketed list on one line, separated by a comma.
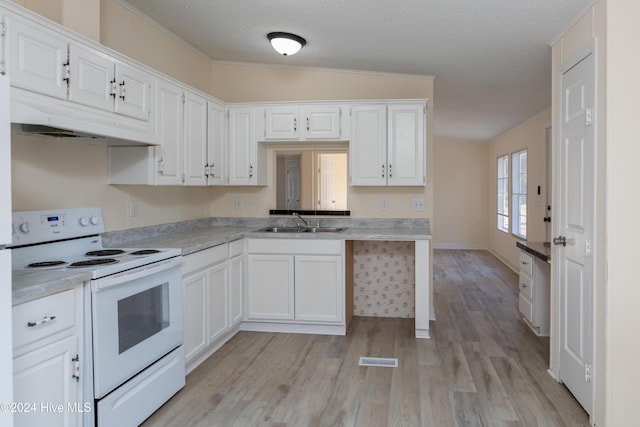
[(324, 229), (282, 230), (301, 230)]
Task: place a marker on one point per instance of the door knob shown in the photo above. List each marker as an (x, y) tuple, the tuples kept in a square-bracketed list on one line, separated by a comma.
[(561, 240)]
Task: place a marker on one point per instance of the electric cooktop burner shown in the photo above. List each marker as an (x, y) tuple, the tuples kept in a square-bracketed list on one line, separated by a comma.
[(93, 262), (105, 252), (145, 252), (45, 264)]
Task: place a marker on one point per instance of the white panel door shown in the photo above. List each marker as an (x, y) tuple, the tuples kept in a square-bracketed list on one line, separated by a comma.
[(576, 225), (282, 123), (133, 97), (318, 288), (368, 146), (44, 376), (195, 139), (322, 122), (195, 312), (242, 147), (406, 145), (36, 58), (270, 287), (217, 297), (216, 152), (92, 79), (169, 125)]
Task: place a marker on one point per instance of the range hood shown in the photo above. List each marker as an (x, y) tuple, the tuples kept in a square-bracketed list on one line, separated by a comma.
[(33, 114)]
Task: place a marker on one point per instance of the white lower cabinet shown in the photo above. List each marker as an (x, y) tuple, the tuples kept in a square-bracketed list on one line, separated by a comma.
[(533, 300), (213, 285), (47, 359), (295, 281)]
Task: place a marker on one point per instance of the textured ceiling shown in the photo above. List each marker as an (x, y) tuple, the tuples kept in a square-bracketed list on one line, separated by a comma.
[(491, 58)]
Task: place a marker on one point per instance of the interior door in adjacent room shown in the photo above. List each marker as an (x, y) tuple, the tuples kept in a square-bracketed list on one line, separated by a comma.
[(575, 229)]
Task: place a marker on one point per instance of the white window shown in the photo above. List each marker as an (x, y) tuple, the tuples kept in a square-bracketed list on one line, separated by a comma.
[(503, 193), (519, 194)]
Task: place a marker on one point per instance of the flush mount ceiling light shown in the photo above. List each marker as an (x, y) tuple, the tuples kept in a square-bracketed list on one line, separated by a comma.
[(286, 43)]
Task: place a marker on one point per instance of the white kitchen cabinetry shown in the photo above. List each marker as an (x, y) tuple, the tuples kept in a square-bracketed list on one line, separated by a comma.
[(195, 139), (216, 165), (98, 80), (300, 122), (388, 145), (212, 309), (45, 62), (533, 301), (295, 281), (169, 126), (37, 58), (247, 158), (47, 360)]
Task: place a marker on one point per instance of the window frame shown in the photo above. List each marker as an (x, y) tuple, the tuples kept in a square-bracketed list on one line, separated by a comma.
[(518, 193), (503, 197)]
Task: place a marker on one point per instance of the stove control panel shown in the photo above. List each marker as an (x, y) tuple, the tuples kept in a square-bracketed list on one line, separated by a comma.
[(45, 226)]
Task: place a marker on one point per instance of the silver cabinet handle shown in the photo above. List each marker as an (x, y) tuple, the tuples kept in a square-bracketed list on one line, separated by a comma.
[(206, 170), (524, 285), (161, 166), (123, 90), (307, 124), (295, 124), (45, 319), (113, 88), (383, 171), (390, 171), (250, 171), (560, 240), (76, 368)]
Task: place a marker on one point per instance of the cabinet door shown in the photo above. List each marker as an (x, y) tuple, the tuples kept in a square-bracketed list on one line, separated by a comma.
[(45, 377), (242, 147), (406, 145), (217, 295), (319, 288), (195, 309), (216, 153), (195, 139), (169, 123), (91, 80), (282, 123), (322, 122), (236, 286), (368, 146), (270, 287), (133, 88), (36, 58)]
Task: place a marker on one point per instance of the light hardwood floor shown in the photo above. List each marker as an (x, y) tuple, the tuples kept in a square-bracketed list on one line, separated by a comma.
[(482, 367)]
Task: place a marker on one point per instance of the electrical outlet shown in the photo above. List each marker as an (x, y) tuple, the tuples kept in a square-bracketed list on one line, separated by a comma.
[(384, 204), (417, 204), (238, 204)]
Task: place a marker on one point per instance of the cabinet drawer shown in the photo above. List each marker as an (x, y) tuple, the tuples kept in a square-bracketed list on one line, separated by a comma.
[(526, 285), (526, 263), (526, 308), (62, 306), (236, 248), (295, 246), (199, 260)]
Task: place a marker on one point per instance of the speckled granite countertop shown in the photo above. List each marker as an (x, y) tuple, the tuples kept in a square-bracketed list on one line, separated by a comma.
[(196, 235), (540, 250)]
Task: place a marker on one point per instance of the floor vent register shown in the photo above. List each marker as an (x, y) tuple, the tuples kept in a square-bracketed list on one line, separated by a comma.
[(379, 361)]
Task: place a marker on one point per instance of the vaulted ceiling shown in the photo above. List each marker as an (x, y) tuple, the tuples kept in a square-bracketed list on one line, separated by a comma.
[(491, 59)]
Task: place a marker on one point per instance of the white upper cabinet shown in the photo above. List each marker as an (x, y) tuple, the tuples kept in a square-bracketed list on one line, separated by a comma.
[(406, 144), (282, 123), (388, 145), (37, 58), (96, 80), (216, 165), (247, 158), (300, 122), (323, 122), (169, 125), (195, 139), (368, 146)]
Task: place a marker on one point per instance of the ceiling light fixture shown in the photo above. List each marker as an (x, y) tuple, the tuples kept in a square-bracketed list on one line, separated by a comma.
[(286, 43)]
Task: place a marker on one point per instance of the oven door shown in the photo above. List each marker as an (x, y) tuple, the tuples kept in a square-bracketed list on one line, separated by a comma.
[(136, 319)]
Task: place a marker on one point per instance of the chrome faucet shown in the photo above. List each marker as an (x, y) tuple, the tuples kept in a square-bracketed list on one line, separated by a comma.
[(300, 218)]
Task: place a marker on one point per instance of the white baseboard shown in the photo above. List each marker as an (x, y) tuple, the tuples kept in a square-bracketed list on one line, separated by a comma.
[(504, 261)]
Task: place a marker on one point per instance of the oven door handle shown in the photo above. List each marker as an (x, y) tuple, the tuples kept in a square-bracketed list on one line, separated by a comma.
[(136, 273)]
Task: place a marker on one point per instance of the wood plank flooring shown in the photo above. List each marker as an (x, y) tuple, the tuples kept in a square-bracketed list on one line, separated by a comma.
[(482, 367)]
